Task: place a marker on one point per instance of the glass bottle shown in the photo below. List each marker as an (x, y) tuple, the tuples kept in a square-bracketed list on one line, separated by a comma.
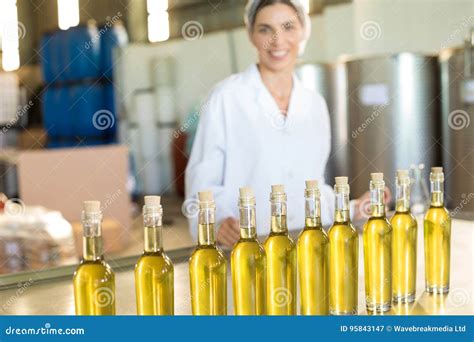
[(377, 236), (312, 252), (343, 255), (207, 265), (281, 259), (94, 280), (248, 262), (154, 273), (437, 232)]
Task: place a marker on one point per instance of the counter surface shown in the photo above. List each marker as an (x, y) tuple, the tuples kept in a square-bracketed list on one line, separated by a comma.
[(56, 298)]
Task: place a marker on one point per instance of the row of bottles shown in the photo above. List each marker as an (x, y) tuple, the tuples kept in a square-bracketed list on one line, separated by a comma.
[(264, 277)]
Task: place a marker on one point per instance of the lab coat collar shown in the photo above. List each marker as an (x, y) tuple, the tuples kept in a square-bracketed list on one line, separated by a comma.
[(267, 104)]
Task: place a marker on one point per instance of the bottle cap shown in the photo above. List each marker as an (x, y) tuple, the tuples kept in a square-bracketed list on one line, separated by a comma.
[(437, 169), (91, 206), (402, 173), (205, 196), (152, 201), (341, 180), (278, 189), (376, 176), (246, 191), (311, 184)]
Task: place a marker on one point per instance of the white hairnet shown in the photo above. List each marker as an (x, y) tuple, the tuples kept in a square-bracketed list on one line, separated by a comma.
[(250, 13)]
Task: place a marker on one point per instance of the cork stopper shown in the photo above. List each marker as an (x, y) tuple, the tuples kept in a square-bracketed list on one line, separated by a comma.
[(205, 196), (341, 181), (152, 201), (311, 184), (91, 206), (402, 174), (278, 189), (376, 176), (437, 169), (246, 191)]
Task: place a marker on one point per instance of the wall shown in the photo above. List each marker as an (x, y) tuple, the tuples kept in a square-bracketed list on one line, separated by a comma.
[(364, 27)]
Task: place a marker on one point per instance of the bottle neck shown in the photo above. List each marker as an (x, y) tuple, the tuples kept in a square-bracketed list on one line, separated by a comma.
[(247, 221), (152, 223), (437, 193), (206, 234), (312, 209), (377, 205), (92, 240), (278, 210), (403, 195), (342, 204)]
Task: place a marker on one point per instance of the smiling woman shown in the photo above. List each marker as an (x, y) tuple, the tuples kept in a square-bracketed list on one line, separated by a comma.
[(263, 127)]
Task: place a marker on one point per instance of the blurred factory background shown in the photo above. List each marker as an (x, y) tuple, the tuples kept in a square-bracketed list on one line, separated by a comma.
[(102, 98)]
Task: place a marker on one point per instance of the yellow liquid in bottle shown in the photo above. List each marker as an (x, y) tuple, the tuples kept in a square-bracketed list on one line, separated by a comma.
[(378, 264), (312, 251), (281, 273), (94, 283), (343, 268), (154, 281), (208, 279), (437, 233), (404, 239), (248, 264)]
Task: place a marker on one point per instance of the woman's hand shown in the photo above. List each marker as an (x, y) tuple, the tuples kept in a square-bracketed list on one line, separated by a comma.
[(228, 232), (362, 204)]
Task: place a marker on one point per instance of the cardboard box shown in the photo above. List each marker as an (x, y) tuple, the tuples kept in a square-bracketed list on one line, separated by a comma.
[(62, 179)]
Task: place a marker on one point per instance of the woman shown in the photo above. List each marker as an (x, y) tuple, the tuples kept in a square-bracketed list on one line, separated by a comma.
[(262, 127)]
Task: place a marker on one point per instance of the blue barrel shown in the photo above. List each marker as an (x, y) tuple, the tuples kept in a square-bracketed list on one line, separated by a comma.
[(50, 110), (113, 36), (52, 49), (82, 52), (62, 70), (109, 104), (56, 112), (88, 111), (61, 143), (74, 142), (46, 50)]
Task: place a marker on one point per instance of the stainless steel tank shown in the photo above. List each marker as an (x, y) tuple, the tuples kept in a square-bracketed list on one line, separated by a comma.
[(393, 108), (326, 79), (457, 97)]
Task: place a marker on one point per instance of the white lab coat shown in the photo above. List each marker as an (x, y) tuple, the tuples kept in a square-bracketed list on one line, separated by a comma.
[(243, 140)]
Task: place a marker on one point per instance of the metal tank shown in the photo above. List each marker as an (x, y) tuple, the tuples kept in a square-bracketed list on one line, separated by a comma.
[(393, 108), (327, 79), (457, 98)]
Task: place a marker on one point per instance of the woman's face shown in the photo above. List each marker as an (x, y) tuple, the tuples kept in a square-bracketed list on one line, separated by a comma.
[(277, 33)]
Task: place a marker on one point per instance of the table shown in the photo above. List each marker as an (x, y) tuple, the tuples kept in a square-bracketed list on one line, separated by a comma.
[(56, 297)]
